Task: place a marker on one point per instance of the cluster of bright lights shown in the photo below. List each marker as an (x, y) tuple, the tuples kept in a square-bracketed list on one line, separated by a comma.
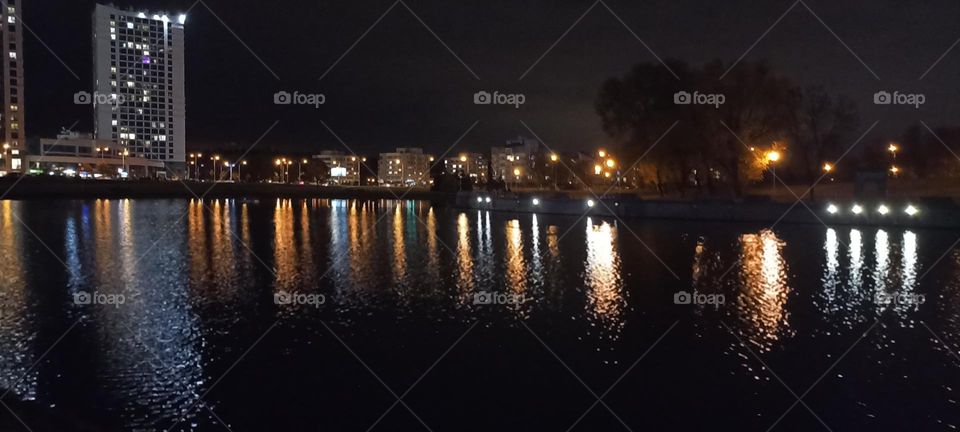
[(883, 209), (482, 200)]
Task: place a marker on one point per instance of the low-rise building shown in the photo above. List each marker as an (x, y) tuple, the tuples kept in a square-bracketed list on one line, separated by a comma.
[(515, 162), (76, 154), (408, 166), (473, 165), (344, 169)]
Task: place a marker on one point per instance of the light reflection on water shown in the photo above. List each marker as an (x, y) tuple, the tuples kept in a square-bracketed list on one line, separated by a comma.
[(189, 286), (764, 288)]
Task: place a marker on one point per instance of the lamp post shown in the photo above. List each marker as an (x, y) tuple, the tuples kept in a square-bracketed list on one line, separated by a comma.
[(300, 170), (893, 148), (240, 177), (6, 156), (227, 164), (773, 157), (553, 161), (286, 170), (123, 157)]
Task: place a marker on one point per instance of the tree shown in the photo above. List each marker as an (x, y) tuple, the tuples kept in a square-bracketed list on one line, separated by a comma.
[(819, 125)]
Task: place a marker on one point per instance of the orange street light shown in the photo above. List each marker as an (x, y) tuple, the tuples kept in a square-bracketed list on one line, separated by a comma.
[(611, 163), (894, 170), (597, 169), (463, 158), (773, 156), (827, 167), (893, 148), (602, 153), (553, 157)]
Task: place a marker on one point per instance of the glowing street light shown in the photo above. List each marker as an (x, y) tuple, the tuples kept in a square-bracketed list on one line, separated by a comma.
[(894, 170), (833, 209), (827, 167), (602, 153), (773, 156), (911, 210), (597, 169), (554, 157), (611, 163)]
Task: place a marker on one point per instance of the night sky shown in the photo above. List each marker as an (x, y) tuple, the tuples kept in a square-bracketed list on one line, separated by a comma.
[(399, 86)]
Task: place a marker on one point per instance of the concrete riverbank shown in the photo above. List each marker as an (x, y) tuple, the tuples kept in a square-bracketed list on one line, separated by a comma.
[(923, 213), (51, 187)]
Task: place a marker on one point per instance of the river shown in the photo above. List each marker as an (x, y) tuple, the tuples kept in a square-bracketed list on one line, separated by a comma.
[(398, 315)]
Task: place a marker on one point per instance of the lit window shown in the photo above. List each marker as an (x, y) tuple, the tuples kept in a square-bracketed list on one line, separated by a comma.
[(13, 55), (11, 19), (129, 25)]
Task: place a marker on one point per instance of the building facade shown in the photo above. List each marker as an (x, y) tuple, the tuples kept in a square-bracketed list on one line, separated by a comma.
[(473, 165), (13, 132), (407, 166), (515, 162), (75, 154), (344, 169), (139, 100)]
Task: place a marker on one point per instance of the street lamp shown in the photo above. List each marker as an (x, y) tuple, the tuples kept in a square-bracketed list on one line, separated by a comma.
[(124, 155), (827, 167), (228, 165), (773, 157), (553, 161), (240, 177), (893, 148), (894, 170), (299, 170)]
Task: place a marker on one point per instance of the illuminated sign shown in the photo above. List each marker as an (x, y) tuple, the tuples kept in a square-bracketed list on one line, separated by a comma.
[(338, 172)]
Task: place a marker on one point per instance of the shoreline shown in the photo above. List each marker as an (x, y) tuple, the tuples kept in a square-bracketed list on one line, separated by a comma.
[(932, 213)]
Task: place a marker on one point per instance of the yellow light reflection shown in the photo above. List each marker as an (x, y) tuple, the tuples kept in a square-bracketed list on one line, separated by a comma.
[(764, 288), (602, 276)]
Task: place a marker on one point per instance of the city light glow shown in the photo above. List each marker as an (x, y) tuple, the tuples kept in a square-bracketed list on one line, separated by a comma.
[(883, 209), (857, 209), (911, 210), (833, 209)]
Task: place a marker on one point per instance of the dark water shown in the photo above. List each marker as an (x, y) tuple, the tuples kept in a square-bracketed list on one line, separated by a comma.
[(205, 339)]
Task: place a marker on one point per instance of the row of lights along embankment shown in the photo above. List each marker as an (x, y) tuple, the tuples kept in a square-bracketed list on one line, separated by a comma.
[(883, 209)]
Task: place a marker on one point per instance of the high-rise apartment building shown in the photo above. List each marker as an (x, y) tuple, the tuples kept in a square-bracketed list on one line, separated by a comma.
[(139, 72), (13, 132)]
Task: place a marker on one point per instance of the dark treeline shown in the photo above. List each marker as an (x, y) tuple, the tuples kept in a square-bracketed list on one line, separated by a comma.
[(723, 131)]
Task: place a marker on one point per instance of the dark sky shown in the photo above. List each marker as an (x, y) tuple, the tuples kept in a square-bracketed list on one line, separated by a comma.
[(399, 86)]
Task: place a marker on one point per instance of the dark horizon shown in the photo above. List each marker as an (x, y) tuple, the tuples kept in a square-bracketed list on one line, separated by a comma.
[(400, 86)]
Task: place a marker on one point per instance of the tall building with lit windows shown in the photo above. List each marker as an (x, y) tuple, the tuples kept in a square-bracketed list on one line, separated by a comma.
[(13, 133), (139, 72)]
